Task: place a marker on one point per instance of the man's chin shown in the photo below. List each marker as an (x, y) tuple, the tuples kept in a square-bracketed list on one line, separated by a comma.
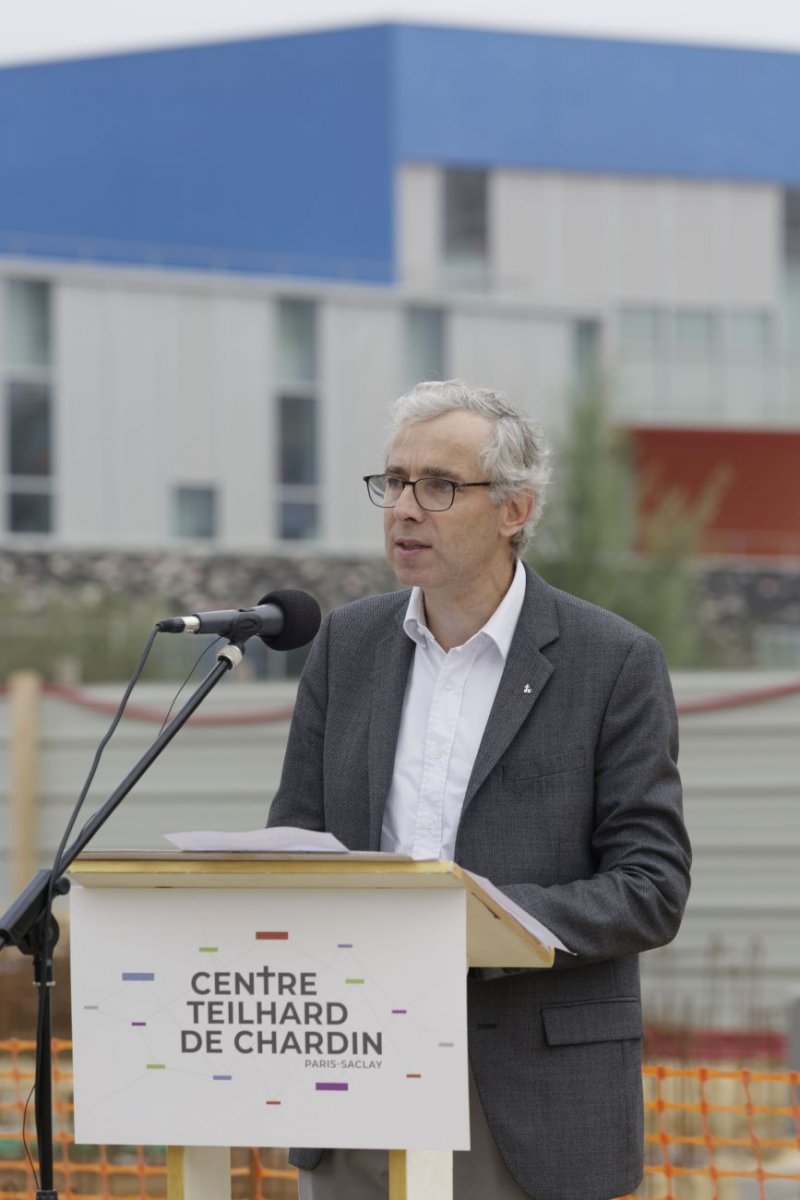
[(411, 572)]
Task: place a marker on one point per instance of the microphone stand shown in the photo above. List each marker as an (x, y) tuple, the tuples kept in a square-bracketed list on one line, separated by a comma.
[(30, 927)]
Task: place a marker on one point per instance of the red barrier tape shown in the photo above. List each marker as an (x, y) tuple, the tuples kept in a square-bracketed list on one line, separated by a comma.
[(139, 712)]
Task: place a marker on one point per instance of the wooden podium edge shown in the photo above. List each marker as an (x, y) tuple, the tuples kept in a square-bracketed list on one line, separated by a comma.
[(213, 869)]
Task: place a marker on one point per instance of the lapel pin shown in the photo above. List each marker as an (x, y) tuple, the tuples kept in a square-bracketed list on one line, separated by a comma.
[(527, 689)]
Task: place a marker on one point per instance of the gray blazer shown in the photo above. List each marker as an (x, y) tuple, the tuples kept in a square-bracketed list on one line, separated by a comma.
[(574, 810)]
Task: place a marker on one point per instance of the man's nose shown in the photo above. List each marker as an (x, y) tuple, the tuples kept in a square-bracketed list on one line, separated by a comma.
[(407, 505)]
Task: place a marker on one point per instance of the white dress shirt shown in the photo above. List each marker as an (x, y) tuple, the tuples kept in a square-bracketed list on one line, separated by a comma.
[(445, 709)]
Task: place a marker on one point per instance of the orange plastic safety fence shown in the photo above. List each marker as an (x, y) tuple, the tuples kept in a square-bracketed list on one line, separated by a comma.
[(720, 1134), (706, 1129), (103, 1172)]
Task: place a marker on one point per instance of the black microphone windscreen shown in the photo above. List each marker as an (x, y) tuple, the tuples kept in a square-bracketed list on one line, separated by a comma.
[(301, 621)]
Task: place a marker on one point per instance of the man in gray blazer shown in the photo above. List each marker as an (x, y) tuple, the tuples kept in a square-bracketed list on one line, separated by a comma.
[(486, 717)]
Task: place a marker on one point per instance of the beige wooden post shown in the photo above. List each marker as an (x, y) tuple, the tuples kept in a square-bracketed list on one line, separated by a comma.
[(24, 689), (420, 1175), (198, 1173)]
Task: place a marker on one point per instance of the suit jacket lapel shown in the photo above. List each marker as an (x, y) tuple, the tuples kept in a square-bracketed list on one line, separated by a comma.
[(525, 674), (389, 676)]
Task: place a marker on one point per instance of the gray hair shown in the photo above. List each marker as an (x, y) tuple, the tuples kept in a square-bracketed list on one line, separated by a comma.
[(516, 456)]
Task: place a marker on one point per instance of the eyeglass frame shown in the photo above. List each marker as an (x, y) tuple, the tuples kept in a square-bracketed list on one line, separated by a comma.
[(412, 483)]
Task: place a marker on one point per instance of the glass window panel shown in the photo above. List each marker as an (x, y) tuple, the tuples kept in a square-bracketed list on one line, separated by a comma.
[(297, 438), (466, 214), (586, 348), (694, 329), (425, 344), (642, 392), (748, 331), (641, 327), (195, 512), (28, 430), (27, 323), (30, 512), (299, 519), (297, 350), (695, 388)]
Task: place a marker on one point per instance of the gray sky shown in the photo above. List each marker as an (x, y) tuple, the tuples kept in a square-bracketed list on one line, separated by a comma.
[(37, 29)]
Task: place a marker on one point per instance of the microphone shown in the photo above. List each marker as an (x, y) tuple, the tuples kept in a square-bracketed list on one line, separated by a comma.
[(283, 620)]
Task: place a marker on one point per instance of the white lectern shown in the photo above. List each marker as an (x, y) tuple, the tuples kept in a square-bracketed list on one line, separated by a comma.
[(258, 999)]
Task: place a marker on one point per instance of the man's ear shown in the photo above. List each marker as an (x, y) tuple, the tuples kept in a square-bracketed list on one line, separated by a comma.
[(517, 509)]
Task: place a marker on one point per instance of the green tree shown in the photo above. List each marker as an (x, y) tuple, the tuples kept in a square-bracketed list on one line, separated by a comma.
[(624, 543)]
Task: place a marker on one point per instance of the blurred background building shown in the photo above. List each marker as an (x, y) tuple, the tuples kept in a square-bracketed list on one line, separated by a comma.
[(220, 263)]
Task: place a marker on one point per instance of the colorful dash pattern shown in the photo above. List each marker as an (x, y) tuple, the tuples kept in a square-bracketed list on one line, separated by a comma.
[(332, 1087), (138, 976), (272, 935)]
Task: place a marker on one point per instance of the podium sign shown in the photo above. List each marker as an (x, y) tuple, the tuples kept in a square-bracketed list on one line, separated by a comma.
[(272, 1017)]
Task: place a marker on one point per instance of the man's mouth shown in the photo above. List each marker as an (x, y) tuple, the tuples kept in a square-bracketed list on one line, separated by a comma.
[(409, 544)]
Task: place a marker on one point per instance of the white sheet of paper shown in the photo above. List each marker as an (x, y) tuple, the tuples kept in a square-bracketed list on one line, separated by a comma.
[(281, 839), (539, 931)]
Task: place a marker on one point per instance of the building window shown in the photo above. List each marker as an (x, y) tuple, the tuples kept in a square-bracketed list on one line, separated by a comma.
[(695, 330), (299, 520), (586, 353), (27, 323), (297, 418), (27, 408), (749, 332), (643, 328), (466, 216), (791, 226), (696, 363), (425, 344), (297, 341), (194, 511), (297, 421)]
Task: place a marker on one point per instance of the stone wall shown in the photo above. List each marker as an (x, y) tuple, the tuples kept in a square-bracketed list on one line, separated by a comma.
[(735, 598), (185, 582)]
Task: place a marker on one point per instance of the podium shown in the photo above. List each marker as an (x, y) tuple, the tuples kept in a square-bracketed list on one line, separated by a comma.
[(262, 999)]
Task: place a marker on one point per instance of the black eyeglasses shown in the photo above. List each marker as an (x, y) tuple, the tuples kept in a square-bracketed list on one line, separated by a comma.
[(431, 492)]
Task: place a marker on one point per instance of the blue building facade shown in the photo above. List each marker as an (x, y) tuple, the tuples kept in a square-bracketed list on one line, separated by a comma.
[(279, 155)]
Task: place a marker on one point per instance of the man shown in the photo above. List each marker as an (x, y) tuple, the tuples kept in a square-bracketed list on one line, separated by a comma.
[(488, 718)]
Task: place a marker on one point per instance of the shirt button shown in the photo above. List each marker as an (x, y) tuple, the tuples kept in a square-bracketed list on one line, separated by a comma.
[(426, 825), (437, 753), (449, 685)]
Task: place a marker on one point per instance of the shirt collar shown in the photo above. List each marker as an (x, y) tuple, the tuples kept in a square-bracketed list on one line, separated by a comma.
[(500, 626)]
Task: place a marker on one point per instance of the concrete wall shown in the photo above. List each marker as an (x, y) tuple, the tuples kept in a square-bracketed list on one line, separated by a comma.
[(153, 389)]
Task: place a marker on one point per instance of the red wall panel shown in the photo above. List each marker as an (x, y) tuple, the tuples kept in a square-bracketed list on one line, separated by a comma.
[(759, 510)]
